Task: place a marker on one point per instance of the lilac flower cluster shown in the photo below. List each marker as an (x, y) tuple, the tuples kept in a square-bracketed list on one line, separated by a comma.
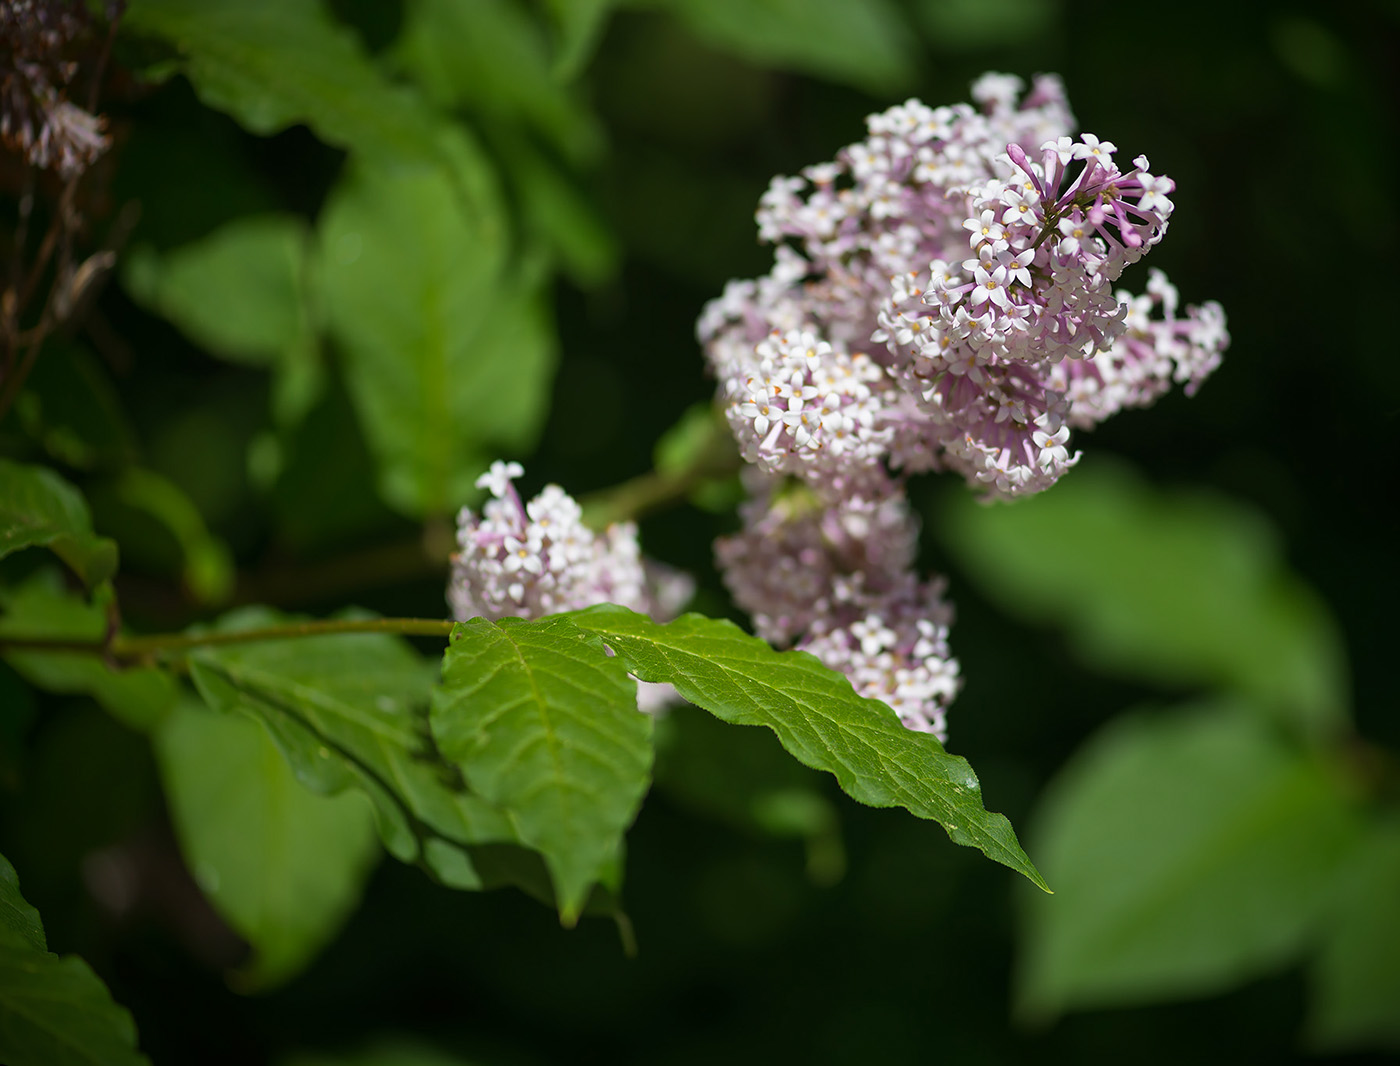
[(837, 581), (528, 560), (942, 297)]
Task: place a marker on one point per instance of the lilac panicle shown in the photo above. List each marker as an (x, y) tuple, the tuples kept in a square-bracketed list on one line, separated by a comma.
[(954, 274), (528, 560), (837, 581), (942, 297)]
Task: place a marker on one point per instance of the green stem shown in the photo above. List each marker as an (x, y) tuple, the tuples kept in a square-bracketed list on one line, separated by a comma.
[(125, 649), (716, 458)]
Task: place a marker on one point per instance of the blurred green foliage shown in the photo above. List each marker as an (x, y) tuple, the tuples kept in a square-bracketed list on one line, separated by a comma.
[(1190, 851), (1181, 589), (380, 244), (281, 864)]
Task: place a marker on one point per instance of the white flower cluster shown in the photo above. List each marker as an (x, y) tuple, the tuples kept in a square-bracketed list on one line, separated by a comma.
[(941, 298), (966, 287), (838, 582), (528, 560)]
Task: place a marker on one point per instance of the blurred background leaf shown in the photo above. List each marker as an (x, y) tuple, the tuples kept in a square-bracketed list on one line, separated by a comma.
[(447, 349), (867, 45), (578, 25), (241, 293), (1189, 850), (283, 865), (1356, 975), (491, 58), (1180, 588), (166, 533), (272, 63)]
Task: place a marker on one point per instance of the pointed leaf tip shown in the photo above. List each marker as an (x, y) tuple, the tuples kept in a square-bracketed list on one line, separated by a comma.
[(817, 717)]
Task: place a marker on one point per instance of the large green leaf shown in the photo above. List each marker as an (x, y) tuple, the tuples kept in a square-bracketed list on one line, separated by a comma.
[(1356, 976), (1181, 588), (491, 57), (283, 865), (274, 63), (41, 609), (444, 353), (544, 724), (350, 710), (866, 44), (579, 25), (53, 1011), (816, 715), (1190, 850), (236, 292), (555, 213), (241, 293), (39, 509)]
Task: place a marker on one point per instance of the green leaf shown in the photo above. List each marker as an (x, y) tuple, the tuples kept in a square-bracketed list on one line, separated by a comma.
[(579, 24), (557, 216), (237, 293), (445, 357), (816, 715), (202, 560), (1190, 851), (39, 509), (241, 293), (1356, 975), (545, 725), (491, 58), (284, 866), (53, 1011), (275, 63), (19, 922), (1180, 588), (350, 710), (867, 45), (41, 609)]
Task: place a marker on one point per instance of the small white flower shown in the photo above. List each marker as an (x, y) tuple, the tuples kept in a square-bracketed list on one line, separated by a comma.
[(1090, 147), (497, 480)]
